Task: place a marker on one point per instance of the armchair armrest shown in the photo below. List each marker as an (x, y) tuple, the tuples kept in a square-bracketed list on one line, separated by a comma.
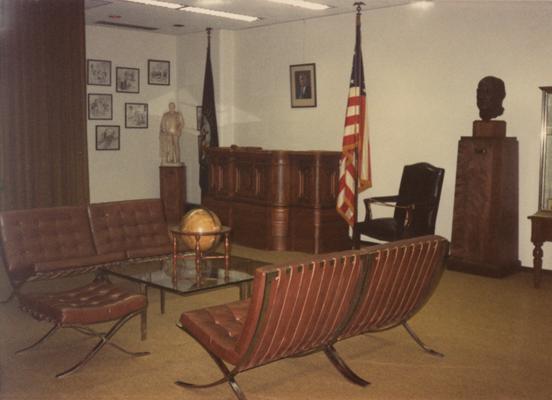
[(375, 199), (386, 201)]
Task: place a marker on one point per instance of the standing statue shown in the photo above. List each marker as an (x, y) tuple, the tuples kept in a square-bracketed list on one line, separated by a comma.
[(490, 93), (170, 131)]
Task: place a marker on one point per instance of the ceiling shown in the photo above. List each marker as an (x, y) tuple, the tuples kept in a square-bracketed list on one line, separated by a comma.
[(120, 13)]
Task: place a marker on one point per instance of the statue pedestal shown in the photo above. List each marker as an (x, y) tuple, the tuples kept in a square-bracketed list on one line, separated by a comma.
[(495, 129), (172, 181)]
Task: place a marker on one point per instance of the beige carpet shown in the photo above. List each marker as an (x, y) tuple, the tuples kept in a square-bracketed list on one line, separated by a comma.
[(496, 336)]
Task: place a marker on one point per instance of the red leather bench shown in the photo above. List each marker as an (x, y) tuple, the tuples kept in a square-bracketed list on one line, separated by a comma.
[(310, 305)]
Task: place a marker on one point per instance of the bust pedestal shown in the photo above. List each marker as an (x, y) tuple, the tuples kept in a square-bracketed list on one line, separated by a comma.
[(496, 129), (485, 221), (172, 180)]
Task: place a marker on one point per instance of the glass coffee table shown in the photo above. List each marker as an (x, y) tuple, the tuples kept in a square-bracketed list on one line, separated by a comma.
[(185, 280)]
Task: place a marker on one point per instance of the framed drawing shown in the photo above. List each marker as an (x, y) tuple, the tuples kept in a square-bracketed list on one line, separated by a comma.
[(128, 80), (99, 72), (199, 111), (100, 106), (159, 72), (108, 137), (136, 115), (302, 79)]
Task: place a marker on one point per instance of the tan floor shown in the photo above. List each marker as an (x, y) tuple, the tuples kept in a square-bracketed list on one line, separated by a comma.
[(496, 336)]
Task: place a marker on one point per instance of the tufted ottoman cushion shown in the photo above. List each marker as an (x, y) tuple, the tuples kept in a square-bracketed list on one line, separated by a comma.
[(218, 328), (99, 301)]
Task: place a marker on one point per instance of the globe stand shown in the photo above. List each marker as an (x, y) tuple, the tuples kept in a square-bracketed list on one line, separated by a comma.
[(198, 254)]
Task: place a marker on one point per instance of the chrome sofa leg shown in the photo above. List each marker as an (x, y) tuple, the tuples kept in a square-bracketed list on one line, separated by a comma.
[(39, 341), (104, 339), (420, 343), (228, 376), (342, 367)]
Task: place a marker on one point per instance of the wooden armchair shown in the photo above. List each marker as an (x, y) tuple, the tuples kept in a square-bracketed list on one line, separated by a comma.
[(303, 307), (415, 206)]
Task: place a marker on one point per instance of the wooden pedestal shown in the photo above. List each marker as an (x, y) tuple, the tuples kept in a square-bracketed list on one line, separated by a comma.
[(172, 180), (485, 222)]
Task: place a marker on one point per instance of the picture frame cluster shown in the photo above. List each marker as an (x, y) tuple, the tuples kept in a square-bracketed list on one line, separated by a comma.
[(127, 80)]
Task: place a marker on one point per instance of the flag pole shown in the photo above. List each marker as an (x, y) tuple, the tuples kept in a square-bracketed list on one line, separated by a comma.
[(358, 69)]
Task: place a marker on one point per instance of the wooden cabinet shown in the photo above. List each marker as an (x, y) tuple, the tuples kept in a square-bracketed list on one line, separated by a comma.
[(277, 200), (485, 222), (172, 181)]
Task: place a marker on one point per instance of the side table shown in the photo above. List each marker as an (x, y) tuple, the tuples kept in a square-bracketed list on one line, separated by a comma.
[(541, 231), (198, 254)]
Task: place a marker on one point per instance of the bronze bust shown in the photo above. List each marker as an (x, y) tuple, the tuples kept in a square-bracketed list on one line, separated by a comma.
[(490, 93)]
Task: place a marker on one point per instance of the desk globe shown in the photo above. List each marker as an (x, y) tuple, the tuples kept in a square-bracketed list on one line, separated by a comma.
[(200, 220)]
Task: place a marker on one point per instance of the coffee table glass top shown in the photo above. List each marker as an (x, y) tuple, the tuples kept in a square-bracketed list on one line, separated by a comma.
[(159, 273)]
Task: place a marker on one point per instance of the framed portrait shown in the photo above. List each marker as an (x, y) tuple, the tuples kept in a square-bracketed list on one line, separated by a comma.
[(302, 79), (159, 72), (136, 115), (128, 80), (199, 114), (108, 137), (100, 106), (99, 72)]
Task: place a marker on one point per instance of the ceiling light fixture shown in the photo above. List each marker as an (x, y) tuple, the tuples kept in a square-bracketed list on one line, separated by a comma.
[(423, 4), (222, 14), (303, 4), (157, 3)]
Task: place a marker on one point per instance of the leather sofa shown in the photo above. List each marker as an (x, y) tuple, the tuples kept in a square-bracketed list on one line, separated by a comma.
[(309, 305), (46, 243)]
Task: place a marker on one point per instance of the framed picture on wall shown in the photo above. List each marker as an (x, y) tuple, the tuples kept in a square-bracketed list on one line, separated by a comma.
[(99, 72), (199, 115), (100, 106), (128, 80), (159, 72), (302, 79), (108, 137), (136, 115)]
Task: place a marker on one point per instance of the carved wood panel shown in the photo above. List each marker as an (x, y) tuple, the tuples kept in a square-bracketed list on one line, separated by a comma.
[(281, 200)]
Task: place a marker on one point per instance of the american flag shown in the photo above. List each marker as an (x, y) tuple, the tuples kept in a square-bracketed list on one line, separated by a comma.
[(355, 174)]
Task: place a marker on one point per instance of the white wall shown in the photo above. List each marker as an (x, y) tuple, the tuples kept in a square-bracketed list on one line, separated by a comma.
[(133, 171), (422, 68)]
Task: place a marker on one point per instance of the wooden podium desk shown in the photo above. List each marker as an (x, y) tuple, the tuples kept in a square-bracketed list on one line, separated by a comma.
[(277, 200)]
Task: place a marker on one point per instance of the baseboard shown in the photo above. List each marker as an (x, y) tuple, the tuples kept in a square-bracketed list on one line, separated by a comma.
[(484, 269)]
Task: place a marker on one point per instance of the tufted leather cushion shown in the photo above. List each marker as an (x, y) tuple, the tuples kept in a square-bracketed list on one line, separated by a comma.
[(98, 301), (72, 263), (137, 227), (218, 328), (44, 235)]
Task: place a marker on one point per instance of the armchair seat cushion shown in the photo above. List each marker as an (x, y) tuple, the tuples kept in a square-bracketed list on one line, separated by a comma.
[(387, 229), (218, 328)]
